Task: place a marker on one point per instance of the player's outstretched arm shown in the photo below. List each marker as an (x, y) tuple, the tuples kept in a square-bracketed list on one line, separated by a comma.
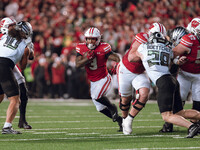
[(24, 60), (114, 56), (180, 50)]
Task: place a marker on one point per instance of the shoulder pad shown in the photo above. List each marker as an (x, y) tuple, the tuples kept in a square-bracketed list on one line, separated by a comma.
[(141, 37), (186, 40), (106, 47)]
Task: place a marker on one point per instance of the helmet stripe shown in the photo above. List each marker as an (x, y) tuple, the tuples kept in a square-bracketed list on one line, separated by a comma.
[(92, 30), (12, 20), (160, 27)]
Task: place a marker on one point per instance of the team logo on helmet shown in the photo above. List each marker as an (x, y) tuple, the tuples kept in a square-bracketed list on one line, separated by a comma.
[(194, 24), (195, 27)]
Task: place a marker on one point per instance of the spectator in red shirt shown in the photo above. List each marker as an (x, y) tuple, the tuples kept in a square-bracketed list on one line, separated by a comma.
[(58, 78)]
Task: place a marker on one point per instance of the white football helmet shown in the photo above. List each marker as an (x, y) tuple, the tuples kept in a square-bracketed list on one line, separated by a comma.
[(176, 35), (93, 33), (157, 27), (195, 27), (25, 27), (5, 23)]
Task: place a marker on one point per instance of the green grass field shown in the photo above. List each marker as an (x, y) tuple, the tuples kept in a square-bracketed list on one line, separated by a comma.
[(76, 125)]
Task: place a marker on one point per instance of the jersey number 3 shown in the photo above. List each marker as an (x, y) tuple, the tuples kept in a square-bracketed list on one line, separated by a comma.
[(93, 64)]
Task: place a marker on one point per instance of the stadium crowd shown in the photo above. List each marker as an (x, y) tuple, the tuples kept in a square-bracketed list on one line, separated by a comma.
[(59, 25)]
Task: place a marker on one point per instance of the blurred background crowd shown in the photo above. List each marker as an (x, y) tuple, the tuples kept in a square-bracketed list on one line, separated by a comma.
[(58, 25)]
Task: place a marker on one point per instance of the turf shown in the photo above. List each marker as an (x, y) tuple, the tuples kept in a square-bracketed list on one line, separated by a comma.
[(74, 125)]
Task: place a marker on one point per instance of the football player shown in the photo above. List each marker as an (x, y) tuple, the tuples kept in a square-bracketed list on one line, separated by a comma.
[(13, 50), (5, 25), (175, 37), (93, 54), (189, 74), (131, 75)]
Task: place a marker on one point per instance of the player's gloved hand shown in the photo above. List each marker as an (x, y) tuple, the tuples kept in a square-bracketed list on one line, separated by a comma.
[(90, 55), (113, 70)]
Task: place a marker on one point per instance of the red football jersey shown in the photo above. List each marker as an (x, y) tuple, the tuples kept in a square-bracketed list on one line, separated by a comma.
[(193, 63), (135, 67), (1, 35), (96, 69)]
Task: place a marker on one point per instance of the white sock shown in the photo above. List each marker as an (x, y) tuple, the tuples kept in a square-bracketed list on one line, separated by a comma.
[(129, 118), (7, 124)]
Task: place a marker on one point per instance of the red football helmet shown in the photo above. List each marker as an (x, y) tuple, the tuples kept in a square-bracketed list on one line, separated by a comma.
[(195, 27), (157, 27), (5, 23), (93, 33)]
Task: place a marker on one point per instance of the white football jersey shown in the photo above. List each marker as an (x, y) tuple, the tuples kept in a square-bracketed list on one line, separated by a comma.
[(156, 59), (12, 49)]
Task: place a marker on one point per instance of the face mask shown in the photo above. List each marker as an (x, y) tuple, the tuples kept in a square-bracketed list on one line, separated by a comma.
[(91, 46)]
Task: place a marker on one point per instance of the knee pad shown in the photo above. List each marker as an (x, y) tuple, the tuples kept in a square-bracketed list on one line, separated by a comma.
[(196, 105), (124, 107), (137, 102)]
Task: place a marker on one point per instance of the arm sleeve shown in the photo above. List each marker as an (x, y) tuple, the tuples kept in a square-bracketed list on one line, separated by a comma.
[(141, 37)]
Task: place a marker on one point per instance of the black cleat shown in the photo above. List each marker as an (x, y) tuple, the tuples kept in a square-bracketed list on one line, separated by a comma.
[(167, 127), (114, 113), (24, 125), (119, 121), (193, 130), (9, 130)]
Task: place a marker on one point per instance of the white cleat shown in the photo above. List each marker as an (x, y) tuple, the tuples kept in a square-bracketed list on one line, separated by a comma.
[(127, 126)]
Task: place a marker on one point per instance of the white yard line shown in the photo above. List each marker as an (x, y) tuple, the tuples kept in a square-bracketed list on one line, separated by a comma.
[(66, 133), (78, 138), (101, 137), (43, 122), (95, 128), (164, 148)]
